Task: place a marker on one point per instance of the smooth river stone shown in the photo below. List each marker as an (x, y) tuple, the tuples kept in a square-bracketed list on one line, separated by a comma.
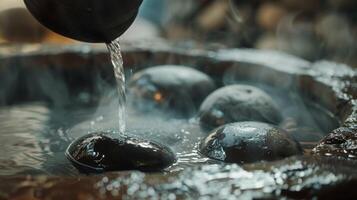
[(247, 142), (170, 88), (236, 103), (99, 152)]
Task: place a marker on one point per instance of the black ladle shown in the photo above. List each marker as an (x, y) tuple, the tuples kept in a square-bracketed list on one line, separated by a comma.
[(86, 20)]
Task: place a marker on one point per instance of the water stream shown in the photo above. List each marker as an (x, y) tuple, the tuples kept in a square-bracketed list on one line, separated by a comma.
[(118, 64)]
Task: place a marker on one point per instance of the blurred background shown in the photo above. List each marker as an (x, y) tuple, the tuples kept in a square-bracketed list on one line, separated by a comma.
[(312, 29)]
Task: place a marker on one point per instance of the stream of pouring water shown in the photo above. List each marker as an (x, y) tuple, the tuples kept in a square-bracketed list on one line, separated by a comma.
[(118, 64)]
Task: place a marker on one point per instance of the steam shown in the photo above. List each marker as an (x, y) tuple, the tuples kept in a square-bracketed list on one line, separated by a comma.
[(179, 134), (303, 119)]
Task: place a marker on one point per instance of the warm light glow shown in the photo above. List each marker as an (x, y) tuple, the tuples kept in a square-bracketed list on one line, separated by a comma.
[(158, 97)]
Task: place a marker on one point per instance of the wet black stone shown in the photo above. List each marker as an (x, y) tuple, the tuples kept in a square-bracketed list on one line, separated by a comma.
[(246, 142), (237, 103), (170, 87), (341, 143), (99, 152)]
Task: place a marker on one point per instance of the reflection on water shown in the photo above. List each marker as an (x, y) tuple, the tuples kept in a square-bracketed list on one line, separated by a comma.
[(21, 136)]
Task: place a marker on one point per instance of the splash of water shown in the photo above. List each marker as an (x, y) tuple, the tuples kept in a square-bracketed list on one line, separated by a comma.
[(118, 64)]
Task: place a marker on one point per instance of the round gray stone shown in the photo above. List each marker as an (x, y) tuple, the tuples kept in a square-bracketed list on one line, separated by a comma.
[(246, 142), (237, 103), (170, 87)]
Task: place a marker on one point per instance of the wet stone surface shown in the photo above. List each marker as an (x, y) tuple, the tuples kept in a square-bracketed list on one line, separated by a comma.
[(246, 142), (341, 143), (293, 178), (170, 87), (236, 103), (99, 152)]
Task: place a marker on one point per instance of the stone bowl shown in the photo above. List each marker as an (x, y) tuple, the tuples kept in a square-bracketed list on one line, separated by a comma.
[(327, 171)]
